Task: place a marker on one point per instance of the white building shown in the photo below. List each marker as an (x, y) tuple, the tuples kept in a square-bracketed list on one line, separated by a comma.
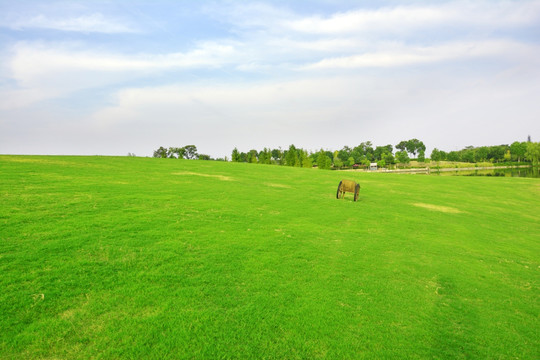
[(373, 166)]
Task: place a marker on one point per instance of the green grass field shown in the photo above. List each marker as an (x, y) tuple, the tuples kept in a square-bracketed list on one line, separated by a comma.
[(118, 257)]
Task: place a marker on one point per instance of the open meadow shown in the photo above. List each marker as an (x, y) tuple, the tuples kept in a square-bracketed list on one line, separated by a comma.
[(122, 257)]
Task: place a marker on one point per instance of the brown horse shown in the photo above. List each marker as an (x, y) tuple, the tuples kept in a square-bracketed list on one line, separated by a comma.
[(348, 186)]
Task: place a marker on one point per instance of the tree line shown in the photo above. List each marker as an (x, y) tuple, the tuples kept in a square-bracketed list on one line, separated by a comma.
[(516, 152), (188, 152), (364, 154), (359, 156)]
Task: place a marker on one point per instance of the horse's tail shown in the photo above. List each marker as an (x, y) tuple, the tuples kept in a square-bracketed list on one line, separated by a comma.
[(356, 192), (338, 188)]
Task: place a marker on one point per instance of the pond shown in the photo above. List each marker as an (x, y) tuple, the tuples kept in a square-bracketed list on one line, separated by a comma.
[(531, 172)]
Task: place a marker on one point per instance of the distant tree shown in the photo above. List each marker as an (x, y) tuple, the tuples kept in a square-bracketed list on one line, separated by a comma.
[(252, 156), (388, 158), (265, 156), (176, 152), (454, 156), (364, 150), (467, 154), (160, 153), (533, 152), (480, 154), (276, 154), (291, 156), (412, 146), (421, 156), (204, 157), (380, 150), (518, 150), (358, 154), (402, 157), (369, 151), (330, 155), (235, 156), (191, 152), (297, 162), (415, 145), (243, 157), (302, 157), (496, 153), (131, 154), (344, 154), (351, 161), (268, 155), (323, 161), (338, 164), (435, 155), (171, 153), (366, 162), (443, 154), (305, 159), (402, 146)]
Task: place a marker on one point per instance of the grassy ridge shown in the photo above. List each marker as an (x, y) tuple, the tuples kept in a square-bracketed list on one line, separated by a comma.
[(153, 258)]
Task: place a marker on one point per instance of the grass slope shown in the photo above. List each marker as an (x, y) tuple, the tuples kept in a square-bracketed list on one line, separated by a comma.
[(160, 258)]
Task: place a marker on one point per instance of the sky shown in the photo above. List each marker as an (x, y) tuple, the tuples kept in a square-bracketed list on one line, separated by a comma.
[(116, 77)]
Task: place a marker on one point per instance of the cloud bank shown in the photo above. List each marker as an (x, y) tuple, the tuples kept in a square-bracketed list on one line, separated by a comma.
[(262, 74)]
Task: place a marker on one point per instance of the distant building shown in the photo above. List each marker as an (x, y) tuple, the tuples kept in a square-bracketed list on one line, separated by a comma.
[(373, 166)]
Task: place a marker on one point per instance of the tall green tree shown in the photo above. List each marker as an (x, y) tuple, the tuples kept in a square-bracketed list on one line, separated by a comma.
[(402, 157), (160, 153), (303, 158), (533, 152), (402, 146), (421, 156), (338, 164), (388, 158), (252, 156), (276, 154), (265, 156), (323, 161), (467, 154), (480, 154), (243, 157), (435, 155), (176, 152), (191, 152), (235, 156), (518, 150), (454, 156), (380, 150), (412, 146), (291, 156), (344, 154), (415, 145)]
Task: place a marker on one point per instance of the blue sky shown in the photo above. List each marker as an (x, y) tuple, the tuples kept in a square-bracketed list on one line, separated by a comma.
[(112, 77)]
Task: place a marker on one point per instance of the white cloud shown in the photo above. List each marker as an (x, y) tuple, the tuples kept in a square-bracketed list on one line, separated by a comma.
[(55, 58), (393, 55), (402, 19), (482, 74), (90, 23), (442, 109), (45, 71)]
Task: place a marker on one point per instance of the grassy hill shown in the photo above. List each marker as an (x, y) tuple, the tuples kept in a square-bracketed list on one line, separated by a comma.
[(104, 257)]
